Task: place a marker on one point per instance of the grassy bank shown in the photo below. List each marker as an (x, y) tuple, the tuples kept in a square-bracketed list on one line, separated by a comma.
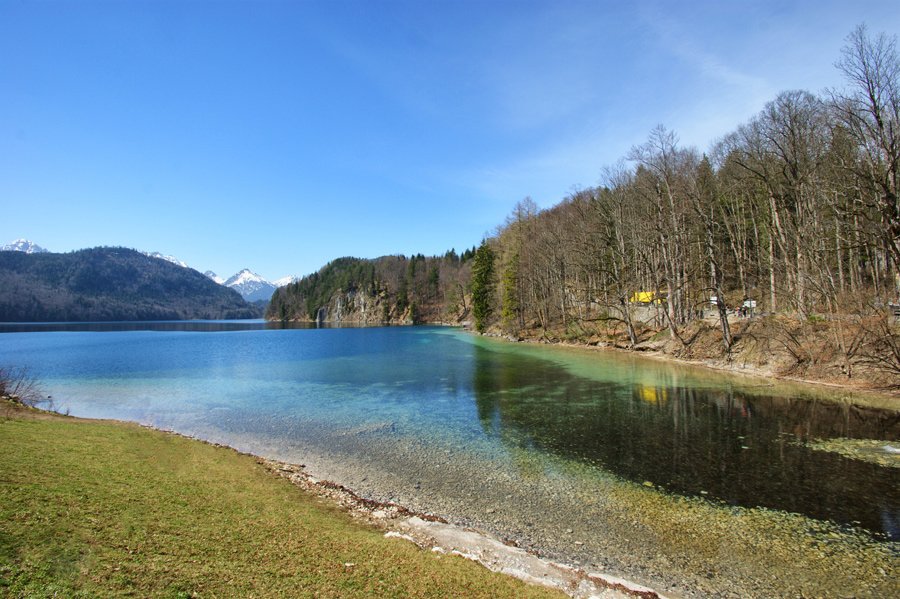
[(99, 508)]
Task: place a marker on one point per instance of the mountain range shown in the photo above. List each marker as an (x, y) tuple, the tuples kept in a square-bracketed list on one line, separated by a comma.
[(109, 284), (251, 286)]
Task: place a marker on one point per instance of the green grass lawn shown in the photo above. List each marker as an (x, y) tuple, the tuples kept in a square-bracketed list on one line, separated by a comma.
[(99, 509)]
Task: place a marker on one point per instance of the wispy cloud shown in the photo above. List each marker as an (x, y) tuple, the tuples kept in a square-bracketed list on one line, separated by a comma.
[(548, 173), (705, 60)]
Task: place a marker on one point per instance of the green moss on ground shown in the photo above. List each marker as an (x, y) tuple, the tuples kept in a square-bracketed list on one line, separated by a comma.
[(98, 509)]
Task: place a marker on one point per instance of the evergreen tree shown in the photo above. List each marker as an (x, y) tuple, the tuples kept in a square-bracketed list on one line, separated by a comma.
[(510, 310), (434, 281), (482, 286)]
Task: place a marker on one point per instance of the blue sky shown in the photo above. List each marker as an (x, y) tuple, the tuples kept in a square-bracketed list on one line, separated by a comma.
[(280, 135)]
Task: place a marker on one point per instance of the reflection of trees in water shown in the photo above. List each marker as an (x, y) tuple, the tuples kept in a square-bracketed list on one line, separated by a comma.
[(736, 448), (816, 419)]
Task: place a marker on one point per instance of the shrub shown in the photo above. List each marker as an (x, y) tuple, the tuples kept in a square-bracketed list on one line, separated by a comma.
[(17, 385)]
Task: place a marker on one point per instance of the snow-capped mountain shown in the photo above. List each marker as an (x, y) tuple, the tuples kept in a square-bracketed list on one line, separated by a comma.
[(215, 277), (23, 245), (285, 280), (171, 259), (251, 286)]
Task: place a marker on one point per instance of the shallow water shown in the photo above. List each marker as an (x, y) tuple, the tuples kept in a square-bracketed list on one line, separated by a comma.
[(523, 440)]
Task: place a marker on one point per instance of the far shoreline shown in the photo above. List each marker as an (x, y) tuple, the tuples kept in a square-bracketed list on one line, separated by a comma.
[(859, 394)]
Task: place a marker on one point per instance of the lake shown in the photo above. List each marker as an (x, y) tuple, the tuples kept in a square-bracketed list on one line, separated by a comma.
[(567, 452)]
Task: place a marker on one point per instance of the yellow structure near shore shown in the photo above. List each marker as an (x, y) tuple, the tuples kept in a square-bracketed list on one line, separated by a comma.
[(647, 297)]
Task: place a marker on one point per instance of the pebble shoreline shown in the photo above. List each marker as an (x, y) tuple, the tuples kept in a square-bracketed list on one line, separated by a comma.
[(671, 545), (677, 546), (435, 534)]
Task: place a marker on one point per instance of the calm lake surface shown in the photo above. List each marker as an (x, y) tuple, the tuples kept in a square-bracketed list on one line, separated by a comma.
[(448, 422)]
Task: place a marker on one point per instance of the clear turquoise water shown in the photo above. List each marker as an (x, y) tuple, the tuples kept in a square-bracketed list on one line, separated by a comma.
[(425, 410)]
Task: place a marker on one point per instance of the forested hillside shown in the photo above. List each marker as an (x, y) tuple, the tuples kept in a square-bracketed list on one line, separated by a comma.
[(390, 289), (793, 216), (793, 219), (105, 284)]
